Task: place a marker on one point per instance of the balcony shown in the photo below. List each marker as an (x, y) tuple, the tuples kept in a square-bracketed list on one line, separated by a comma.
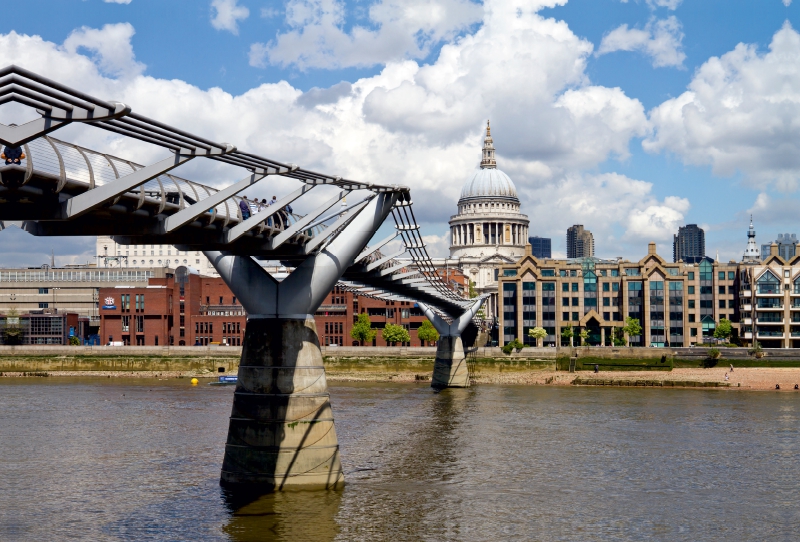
[(747, 335), (747, 307), (770, 307), (770, 321), (746, 293), (770, 334), (747, 320)]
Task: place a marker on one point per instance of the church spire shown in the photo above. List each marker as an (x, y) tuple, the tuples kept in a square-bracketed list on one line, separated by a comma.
[(751, 253), (488, 160)]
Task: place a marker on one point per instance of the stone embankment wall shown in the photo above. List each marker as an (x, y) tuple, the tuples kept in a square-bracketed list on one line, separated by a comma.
[(186, 358)]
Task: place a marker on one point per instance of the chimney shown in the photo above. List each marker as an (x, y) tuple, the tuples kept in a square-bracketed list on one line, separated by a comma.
[(651, 248), (528, 249), (773, 249)]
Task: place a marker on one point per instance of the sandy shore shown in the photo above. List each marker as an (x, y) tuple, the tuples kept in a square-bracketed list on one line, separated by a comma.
[(755, 378)]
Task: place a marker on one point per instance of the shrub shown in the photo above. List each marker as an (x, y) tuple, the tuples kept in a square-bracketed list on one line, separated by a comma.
[(511, 346)]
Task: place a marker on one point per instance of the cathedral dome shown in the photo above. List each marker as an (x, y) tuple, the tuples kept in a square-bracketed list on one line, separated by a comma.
[(488, 182)]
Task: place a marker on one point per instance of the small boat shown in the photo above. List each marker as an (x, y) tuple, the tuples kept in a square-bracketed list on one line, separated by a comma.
[(225, 381)]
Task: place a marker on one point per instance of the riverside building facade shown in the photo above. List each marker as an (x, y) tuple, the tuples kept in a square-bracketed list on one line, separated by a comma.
[(677, 304), (770, 300), (184, 309)]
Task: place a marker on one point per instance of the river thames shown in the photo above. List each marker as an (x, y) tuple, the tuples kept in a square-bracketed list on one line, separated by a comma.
[(136, 459)]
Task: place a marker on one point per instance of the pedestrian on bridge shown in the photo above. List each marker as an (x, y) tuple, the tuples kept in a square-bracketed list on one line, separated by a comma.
[(244, 205)]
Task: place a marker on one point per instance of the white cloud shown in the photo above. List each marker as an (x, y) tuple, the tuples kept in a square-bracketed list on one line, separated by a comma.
[(661, 40), (226, 15), (669, 4), (418, 125), (110, 47), (738, 114), (117, 1), (402, 29), (787, 3)]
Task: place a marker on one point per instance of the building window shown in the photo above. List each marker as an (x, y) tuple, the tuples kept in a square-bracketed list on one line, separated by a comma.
[(575, 316), (606, 301), (615, 287), (691, 289), (126, 324), (565, 287), (731, 275), (139, 324), (44, 305), (721, 303), (548, 272), (606, 286), (691, 318), (691, 303), (615, 272), (44, 290), (574, 286), (565, 316), (574, 301), (721, 275), (565, 301), (693, 331), (721, 290), (691, 275)]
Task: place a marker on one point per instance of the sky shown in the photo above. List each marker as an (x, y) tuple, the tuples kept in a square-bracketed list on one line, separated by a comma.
[(631, 117)]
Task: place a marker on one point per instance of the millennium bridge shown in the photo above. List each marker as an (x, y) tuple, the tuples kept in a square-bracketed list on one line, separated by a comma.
[(281, 433)]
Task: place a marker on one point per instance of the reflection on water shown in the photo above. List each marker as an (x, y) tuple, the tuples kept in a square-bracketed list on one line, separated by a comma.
[(139, 460)]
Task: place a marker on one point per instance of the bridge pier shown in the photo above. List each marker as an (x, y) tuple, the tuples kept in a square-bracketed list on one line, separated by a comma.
[(281, 433), (450, 367)]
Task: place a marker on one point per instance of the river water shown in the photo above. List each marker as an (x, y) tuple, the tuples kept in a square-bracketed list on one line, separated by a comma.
[(100, 459)]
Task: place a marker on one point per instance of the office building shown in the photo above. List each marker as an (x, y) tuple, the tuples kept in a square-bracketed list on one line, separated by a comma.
[(540, 247), (787, 246), (689, 245), (580, 242), (677, 304)]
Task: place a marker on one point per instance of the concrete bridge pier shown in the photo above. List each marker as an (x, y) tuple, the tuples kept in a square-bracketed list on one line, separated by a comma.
[(281, 433), (450, 368)]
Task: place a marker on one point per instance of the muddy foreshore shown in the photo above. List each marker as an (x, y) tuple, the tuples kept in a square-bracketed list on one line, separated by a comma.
[(746, 378)]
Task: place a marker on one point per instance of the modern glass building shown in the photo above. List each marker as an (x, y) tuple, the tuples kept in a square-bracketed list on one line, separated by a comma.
[(689, 244), (540, 247), (787, 243)]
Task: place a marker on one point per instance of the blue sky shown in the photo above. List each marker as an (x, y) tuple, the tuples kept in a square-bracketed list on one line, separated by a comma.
[(588, 101)]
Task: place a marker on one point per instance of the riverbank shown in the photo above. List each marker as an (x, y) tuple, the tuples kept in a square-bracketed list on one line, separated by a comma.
[(746, 378)]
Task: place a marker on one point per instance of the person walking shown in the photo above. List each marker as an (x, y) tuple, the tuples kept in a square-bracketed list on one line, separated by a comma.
[(731, 367), (266, 204), (244, 206)]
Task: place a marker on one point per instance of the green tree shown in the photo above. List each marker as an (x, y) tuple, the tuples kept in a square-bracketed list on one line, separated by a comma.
[(537, 333), (568, 333), (584, 335), (724, 329), (617, 336), (427, 332), (393, 334), (362, 330), (74, 341), (631, 328), (12, 332)]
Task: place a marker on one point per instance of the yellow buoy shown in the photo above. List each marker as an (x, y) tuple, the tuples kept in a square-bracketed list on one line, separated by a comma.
[(194, 382)]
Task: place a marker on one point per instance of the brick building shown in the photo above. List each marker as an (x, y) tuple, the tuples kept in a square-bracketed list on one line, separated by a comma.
[(184, 309)]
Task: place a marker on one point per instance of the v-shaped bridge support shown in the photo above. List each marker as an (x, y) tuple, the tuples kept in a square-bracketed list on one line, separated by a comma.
[(281, 433), (450, 368)]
